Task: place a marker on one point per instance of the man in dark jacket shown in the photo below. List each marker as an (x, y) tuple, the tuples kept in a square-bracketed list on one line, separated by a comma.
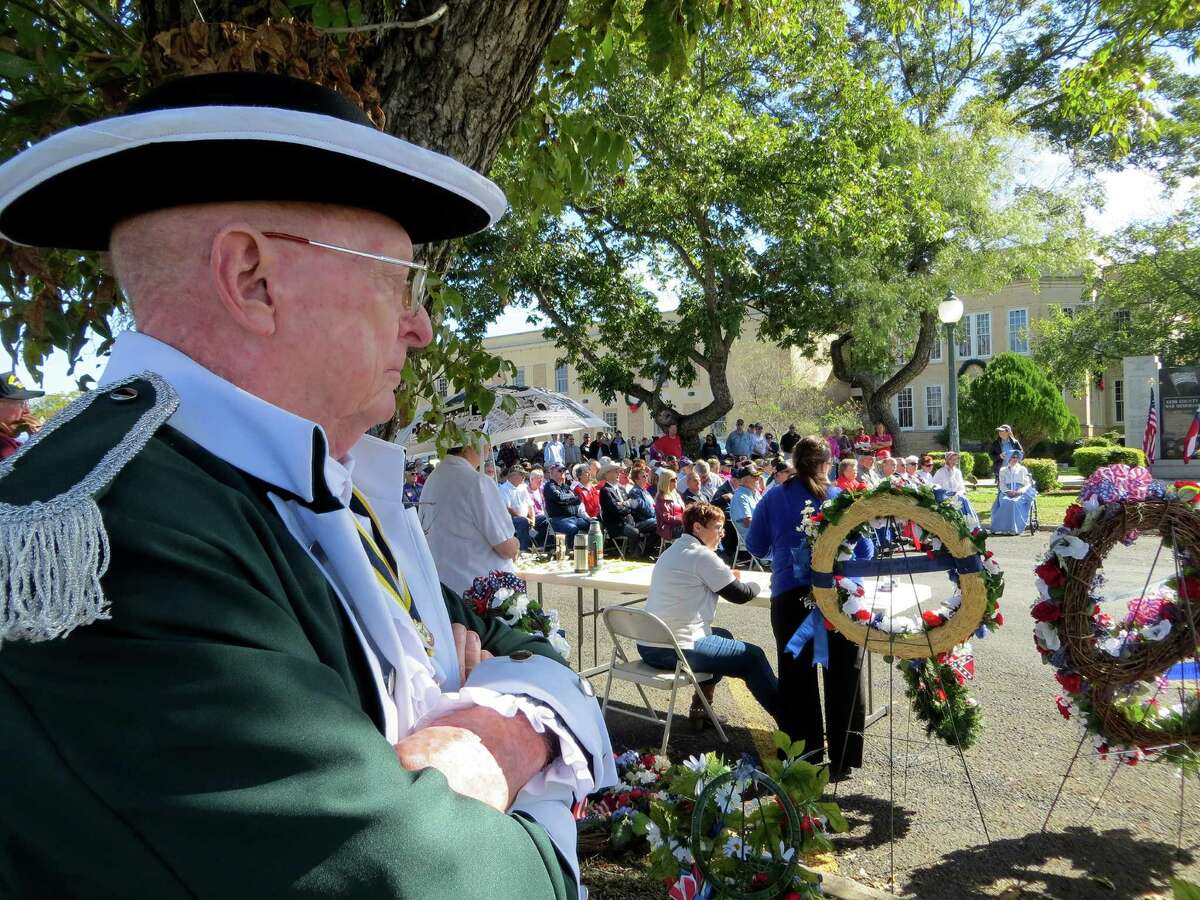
[(616, 513), (563, 507)]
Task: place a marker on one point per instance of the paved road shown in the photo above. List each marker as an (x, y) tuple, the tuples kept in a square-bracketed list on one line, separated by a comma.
[(931, 835)]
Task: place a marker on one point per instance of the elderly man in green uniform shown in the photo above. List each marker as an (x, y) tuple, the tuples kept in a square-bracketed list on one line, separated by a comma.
[(228, 666)]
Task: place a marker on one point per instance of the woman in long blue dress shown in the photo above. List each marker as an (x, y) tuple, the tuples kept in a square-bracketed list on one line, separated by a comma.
[(1014, 501)]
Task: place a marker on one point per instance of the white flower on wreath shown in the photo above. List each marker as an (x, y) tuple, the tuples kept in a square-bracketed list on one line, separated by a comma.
[(955, 601), (1047, 636), (559, 643), (1157, 631), (1113, 645), (1069, 546), (695, 764), (500, 598), (654, 835), (735, 847), (647, 776), (661, 763), (728, 797), (682, 853), (520, 604), (991, 566)]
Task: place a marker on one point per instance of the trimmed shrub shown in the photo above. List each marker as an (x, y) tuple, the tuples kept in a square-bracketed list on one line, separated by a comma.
[(982, 466), (1130, 456), (1097, 442), (1044, 473), (1088, 459)]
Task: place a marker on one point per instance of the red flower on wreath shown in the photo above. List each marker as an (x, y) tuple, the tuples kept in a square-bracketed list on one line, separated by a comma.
[(1046, 612), (1050, 573), (818, 517), (941, 695), (862, 616), (999, 619), (1064, 708), (1074, 516), (932, 619), (1072, 682), (648, 760)]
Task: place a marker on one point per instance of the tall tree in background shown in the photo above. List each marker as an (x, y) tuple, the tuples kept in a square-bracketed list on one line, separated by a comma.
[(1092, 78), (1147, 302), (749, 181)]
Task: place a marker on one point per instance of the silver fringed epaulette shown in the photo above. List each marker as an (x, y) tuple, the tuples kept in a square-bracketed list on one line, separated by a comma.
[(53, 551)]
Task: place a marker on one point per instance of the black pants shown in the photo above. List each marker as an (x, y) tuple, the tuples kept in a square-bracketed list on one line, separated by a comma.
[(800, 701)]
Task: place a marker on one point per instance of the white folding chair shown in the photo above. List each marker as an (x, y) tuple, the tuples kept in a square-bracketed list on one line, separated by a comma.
[(754, 563), (649, 630)]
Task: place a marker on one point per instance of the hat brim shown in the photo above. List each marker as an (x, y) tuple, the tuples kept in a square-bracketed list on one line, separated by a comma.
[(71, 189), (21, 394)]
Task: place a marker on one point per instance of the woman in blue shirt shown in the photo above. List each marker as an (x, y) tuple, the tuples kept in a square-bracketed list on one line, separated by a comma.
[(773, 532)]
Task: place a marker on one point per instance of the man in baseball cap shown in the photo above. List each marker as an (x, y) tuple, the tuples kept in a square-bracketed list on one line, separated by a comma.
[(236, 673), (15, 418)]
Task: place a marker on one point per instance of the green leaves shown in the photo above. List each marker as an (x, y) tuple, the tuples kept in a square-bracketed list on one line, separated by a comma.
[(1013, 389)]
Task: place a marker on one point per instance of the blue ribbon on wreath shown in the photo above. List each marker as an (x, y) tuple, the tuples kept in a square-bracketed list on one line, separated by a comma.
[(811, 629)]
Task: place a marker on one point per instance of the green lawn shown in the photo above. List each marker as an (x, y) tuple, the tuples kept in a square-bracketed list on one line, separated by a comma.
[(1051, 506)]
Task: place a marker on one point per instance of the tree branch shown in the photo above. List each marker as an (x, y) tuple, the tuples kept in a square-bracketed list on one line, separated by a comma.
[(389, 26)]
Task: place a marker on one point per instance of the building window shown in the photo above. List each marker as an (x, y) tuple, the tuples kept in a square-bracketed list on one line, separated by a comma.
[(519, 381), (443, 386), (933, 406), (964, 341), (935, 354), (1018, 330), (1069, 312), (1119, 400), (904, 409), (610, 419), (561, 379), (983, 334), (1122, 318)]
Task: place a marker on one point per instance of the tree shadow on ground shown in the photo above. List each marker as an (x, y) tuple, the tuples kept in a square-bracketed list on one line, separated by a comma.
[(874, 813), (628, 733), (1073, 864)]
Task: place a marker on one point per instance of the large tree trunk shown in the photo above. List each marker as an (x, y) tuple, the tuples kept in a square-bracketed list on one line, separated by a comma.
[(877, 394), (456, 86)]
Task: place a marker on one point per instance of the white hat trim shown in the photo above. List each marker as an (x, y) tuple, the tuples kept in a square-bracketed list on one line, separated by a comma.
[(96, 140)]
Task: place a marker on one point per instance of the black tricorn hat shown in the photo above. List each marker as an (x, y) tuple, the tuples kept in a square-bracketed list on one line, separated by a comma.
[(235, 136)]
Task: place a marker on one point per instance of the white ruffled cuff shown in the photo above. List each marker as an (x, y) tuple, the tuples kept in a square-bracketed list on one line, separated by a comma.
[(570, 770)]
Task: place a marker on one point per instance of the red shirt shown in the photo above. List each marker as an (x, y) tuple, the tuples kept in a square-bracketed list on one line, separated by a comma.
[(8, 446), (590, 497), (669, 445), (668, 518), (850, 484)]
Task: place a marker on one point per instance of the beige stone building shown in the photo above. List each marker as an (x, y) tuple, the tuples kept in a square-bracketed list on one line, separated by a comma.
[(999, 323), (995, 323)]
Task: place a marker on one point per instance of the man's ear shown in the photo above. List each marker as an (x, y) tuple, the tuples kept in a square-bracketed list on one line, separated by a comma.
[(242, 266)]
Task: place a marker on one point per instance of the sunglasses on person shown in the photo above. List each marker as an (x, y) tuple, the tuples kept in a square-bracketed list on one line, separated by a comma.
[(415, 295)]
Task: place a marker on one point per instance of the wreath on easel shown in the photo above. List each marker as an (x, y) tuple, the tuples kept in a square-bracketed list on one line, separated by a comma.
[(1117, 674), (933, 655)]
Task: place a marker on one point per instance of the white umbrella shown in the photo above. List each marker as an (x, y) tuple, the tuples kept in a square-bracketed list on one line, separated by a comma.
[(539, 413)]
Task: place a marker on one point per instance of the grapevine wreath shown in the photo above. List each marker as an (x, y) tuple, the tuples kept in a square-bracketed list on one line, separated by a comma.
[(1116, 675)]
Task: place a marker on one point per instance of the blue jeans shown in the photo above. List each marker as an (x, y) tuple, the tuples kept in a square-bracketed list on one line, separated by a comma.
[(570, 526), (521, 527), (722, 654)]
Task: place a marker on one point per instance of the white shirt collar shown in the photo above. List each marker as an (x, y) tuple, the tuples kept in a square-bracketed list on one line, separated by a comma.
[(257, 437)]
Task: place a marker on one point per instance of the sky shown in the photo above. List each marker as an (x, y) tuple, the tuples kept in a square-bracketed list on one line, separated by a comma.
[(1132, 195)]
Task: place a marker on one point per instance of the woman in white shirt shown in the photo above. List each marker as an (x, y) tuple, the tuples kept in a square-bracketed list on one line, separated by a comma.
[(687, 580), (1011, 511), (949, 478)]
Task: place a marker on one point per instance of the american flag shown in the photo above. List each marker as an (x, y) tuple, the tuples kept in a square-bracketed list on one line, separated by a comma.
[(1151, 430), (1191, 440)]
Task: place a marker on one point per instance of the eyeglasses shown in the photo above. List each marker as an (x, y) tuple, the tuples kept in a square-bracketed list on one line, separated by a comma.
[(415, 293)]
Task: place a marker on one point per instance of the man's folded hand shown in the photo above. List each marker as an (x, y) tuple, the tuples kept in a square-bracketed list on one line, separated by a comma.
[(482, 753)]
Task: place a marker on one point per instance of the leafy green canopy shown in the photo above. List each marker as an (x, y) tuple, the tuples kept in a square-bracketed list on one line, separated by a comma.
[(1147, 302), (1013, 391), (749, 182)]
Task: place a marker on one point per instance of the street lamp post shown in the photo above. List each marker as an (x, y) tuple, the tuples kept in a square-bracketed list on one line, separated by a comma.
[(950, 311)]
